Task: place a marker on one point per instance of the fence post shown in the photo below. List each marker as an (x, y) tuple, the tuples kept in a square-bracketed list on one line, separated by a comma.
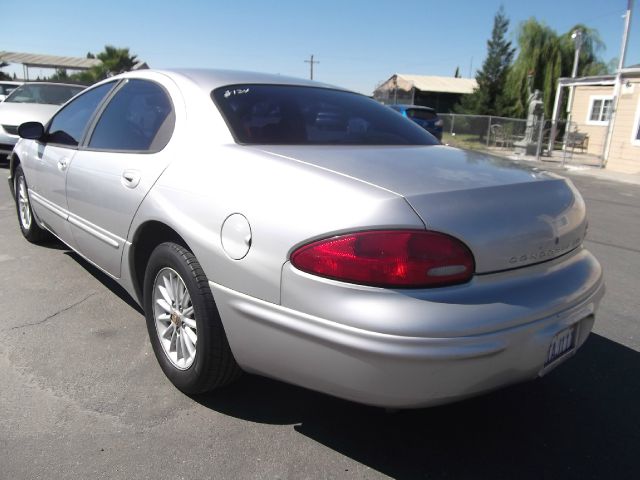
[(453, 122), (489, 131), (564, 142), (541, 122)]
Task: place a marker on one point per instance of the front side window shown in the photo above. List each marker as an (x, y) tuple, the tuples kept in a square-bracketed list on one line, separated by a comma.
[(68, 126), (43, 93), (297, 115), (140, 117), (600, 110)]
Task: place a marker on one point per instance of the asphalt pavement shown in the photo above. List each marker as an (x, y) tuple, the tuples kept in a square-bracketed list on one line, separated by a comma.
[(81, 394)]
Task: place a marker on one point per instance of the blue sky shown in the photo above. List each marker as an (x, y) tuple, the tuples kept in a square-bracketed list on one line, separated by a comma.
[(358, 43)]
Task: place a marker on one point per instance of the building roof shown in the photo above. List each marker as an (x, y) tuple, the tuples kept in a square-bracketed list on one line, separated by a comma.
[(49, 61), (631, 71), (429, 83), (592, 80)]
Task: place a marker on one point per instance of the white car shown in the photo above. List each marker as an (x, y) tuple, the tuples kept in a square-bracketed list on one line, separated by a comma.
[(6, 87), (31, 102)]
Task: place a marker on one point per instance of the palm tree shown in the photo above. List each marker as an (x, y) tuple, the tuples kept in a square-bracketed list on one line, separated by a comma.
[(117, 60), (114, 61)]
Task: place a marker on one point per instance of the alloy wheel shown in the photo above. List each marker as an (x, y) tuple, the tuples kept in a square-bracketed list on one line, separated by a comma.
[(174, 318)]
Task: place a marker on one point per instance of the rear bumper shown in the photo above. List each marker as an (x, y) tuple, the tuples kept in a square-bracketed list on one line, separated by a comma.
[(400, 369)]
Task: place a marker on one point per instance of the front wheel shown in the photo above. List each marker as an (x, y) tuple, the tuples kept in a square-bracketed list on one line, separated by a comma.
[(28, 225), (184, 326)]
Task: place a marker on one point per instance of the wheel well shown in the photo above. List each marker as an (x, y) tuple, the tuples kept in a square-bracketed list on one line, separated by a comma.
[(147, 238), (14, 161)]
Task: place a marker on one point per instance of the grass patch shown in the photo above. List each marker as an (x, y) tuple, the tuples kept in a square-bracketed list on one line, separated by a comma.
[(468, 141)]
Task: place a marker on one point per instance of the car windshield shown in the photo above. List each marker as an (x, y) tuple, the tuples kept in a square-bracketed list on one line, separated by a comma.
[(43, 93), (7, 88), (298, 115)]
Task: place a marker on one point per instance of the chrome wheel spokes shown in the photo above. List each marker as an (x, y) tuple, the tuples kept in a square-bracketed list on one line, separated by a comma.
[(174, 318)]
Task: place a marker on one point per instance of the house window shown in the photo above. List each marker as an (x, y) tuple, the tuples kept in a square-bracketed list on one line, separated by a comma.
[(600, 110)]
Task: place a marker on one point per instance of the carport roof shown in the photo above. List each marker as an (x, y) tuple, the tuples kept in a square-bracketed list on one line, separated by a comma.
[(49, 61), (429, 83)]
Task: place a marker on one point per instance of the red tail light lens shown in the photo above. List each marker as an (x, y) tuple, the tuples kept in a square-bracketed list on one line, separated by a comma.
[(389, 258)]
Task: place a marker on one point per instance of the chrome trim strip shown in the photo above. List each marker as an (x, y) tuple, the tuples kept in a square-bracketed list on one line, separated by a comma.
[(82, 224), (93, 230), (48, 205)]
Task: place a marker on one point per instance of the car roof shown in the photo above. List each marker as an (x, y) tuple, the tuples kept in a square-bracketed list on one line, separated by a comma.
[(210, 79)]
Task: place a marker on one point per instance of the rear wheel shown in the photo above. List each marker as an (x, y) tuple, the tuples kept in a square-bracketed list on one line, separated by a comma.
[(183, 322), (28, 224)]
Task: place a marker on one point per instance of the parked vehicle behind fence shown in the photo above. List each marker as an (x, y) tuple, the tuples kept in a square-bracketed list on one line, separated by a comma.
[(426, 117)]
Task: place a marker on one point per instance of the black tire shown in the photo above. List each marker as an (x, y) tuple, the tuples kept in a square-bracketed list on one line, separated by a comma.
[(214, 365), (30, 229)]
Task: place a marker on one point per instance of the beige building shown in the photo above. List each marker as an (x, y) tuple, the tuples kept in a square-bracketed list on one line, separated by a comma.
[(440, 93), (612, 124)]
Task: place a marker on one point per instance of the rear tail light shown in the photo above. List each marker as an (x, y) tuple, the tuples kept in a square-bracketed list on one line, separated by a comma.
[(388, 258)]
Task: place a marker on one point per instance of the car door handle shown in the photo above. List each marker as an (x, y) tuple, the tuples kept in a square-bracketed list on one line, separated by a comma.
[(130, 178), (62, 164)]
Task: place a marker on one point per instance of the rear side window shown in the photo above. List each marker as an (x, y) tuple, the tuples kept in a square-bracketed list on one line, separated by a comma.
[(421, 114), (70, 123), (139, 117), (298, 115)]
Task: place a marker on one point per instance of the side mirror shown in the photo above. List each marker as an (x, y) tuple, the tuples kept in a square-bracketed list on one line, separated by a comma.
[(31, 130)]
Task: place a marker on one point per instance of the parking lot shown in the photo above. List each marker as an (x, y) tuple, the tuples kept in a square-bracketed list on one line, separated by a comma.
[(82, 396)]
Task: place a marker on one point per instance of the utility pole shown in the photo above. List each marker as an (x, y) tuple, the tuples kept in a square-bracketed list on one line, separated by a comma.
[(311, 62), (577, 39), (617, 87)]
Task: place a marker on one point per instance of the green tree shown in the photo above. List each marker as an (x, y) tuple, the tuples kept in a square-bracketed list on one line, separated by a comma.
[(113, 61), (60, 75), (457, 73), (117, 60), (487, 98), (545, 56), (4, 75)]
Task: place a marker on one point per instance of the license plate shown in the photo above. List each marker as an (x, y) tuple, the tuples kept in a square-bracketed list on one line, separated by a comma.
[(563, 343)]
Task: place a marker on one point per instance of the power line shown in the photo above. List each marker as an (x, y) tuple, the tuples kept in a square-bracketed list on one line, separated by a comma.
[(311, 62)]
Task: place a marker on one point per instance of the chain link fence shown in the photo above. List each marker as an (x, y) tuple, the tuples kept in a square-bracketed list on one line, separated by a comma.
[(580, 144), (481, 132)]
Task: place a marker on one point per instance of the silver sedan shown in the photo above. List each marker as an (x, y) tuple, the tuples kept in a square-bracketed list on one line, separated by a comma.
[(304, 232)]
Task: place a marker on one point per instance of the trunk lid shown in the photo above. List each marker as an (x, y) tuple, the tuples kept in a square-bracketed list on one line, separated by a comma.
[(509, 215)]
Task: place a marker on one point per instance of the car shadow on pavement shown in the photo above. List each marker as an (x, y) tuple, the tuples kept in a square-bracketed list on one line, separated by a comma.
[(106, 280), (580, 421), (53, 243)]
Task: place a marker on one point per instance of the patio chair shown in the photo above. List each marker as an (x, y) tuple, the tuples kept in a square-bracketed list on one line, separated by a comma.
[(577, 140)]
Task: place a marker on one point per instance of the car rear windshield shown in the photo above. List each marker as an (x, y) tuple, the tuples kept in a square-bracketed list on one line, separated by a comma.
[(421, 114), (48, 94), (298, 115)]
